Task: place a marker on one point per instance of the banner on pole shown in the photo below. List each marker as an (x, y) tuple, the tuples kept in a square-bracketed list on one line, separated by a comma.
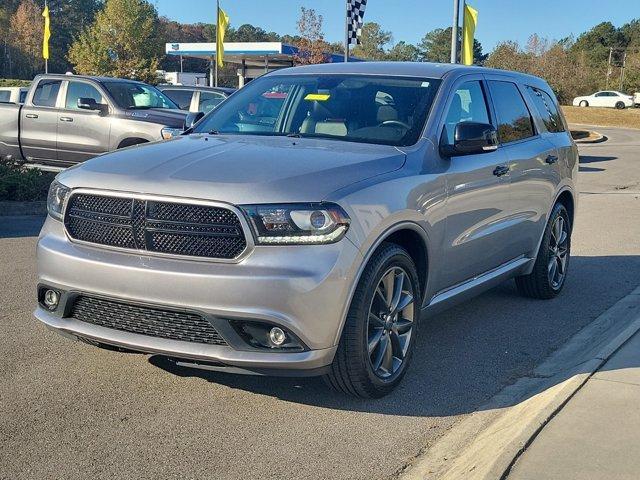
[(355, 20), (468, 32), (47, 33)]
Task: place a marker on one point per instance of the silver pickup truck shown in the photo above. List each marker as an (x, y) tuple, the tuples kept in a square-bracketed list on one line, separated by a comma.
[(67, 119)]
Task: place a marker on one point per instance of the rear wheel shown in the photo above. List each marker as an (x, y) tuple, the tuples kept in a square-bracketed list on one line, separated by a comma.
[(380, 330), (584, 103), (550, 270), (620, 105)]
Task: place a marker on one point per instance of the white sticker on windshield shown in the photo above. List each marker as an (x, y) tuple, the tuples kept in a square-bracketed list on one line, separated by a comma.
[(425, 84)]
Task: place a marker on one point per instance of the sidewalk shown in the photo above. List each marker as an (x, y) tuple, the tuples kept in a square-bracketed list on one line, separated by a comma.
[(596, 436)]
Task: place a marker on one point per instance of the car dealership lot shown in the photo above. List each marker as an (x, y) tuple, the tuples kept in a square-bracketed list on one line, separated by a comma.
[(68, 410)]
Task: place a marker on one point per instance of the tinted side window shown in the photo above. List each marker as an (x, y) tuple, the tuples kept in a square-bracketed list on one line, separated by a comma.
[(78, 90), (23, 96), (467, 105), (181, 97), (514, 119), (209, 101), (547, 109), (46, 93), (5, 96)]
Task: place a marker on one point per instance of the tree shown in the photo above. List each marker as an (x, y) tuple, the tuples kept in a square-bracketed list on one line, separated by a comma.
[(5, 44), (26, 32), (403, 52), (122, 42), (509, 56), (435, 46), (372, 42), (312, 45), (250, 33), (170, 31), (597, 42), (68, 18)]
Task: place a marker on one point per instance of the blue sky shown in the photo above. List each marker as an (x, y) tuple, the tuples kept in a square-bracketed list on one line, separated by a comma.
[(409, 20)]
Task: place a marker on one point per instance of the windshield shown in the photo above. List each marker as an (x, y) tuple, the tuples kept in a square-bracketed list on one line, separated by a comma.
[(132, 95), (356, 108)]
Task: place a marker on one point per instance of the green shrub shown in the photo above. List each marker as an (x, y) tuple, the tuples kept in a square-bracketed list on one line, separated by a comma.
[(10, 82), (23, 184)]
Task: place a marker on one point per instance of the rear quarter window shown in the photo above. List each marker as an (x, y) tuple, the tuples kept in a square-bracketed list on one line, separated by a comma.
[(46, 93), (181, 97), (547, 109), (5, 96)]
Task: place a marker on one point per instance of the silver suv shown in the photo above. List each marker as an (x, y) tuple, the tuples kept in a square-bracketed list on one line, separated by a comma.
[(310, 223)]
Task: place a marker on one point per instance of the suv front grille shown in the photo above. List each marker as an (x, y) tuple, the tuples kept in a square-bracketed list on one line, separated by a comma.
[(155, 226), (154, 322)]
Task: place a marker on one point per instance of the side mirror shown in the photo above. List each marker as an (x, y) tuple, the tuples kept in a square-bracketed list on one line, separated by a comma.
[(471, 138), (86, 103), (191, 119)]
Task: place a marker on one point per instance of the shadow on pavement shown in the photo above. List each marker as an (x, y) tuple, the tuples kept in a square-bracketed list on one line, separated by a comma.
[(21, 226), (593, 159), (466, 355)]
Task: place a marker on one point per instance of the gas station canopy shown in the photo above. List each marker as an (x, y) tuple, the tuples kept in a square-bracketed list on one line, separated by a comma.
[(253, 58)]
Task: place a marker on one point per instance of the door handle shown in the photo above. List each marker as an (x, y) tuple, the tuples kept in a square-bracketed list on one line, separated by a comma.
[(501, 170), (66, 119), (551, 159), (31, 115)]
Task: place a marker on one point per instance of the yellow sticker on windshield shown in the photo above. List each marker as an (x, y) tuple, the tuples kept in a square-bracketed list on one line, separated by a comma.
[(317, 97)]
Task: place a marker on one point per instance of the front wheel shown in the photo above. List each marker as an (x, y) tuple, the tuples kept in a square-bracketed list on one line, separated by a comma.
[(381, 327), (550, 270)]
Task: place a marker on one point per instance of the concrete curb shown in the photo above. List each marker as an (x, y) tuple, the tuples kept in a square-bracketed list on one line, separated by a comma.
[(593, 137), (8, 208), (486, 444)]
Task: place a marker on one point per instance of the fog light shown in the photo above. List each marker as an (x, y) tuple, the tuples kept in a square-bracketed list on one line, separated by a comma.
[(51, 299), (277, 336)]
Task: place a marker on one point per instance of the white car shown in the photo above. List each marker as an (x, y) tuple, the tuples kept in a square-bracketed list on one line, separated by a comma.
[(605, 98), (13, 94)]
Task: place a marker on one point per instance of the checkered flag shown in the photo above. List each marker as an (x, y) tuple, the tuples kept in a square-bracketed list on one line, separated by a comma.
[(355, 20)]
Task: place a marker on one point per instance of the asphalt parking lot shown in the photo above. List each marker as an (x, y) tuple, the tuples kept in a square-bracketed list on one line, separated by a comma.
[(68, 410)]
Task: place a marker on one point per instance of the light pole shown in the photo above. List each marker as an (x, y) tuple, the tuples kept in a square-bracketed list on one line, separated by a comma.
[(454, 31)]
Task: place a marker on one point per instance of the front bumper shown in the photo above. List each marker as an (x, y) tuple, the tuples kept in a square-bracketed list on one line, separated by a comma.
[(305, 289)]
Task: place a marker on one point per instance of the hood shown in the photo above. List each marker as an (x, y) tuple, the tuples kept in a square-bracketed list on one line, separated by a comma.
[(237, 169), (162, 116)]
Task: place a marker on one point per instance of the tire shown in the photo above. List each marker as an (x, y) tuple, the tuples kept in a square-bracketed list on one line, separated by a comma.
[(620, 105), (584, 103), (542, 282), (355, 369)]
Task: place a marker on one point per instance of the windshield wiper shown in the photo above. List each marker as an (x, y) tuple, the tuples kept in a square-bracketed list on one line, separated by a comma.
[(213, 132), (294, 135)]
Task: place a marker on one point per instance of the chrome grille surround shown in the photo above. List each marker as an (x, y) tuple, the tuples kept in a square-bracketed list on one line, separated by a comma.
[(157, 225)]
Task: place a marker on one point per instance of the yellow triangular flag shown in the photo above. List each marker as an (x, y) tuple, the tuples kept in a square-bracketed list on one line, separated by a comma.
[(221, 29)]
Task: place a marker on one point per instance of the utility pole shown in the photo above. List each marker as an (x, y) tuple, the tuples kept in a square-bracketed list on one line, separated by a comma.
[(624, 64), (454, 31), (609, 66)]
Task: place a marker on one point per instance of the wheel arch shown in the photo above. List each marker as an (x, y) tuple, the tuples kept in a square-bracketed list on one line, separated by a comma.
[(131, 141), (408, 235), (566, 196)]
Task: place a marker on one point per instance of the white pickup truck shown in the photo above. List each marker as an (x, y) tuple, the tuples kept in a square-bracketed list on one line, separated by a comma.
[(13, 94)]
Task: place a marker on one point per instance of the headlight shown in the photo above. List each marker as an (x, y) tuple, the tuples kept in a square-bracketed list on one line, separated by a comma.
[(297, 224), (169, 132), (56, 199)]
